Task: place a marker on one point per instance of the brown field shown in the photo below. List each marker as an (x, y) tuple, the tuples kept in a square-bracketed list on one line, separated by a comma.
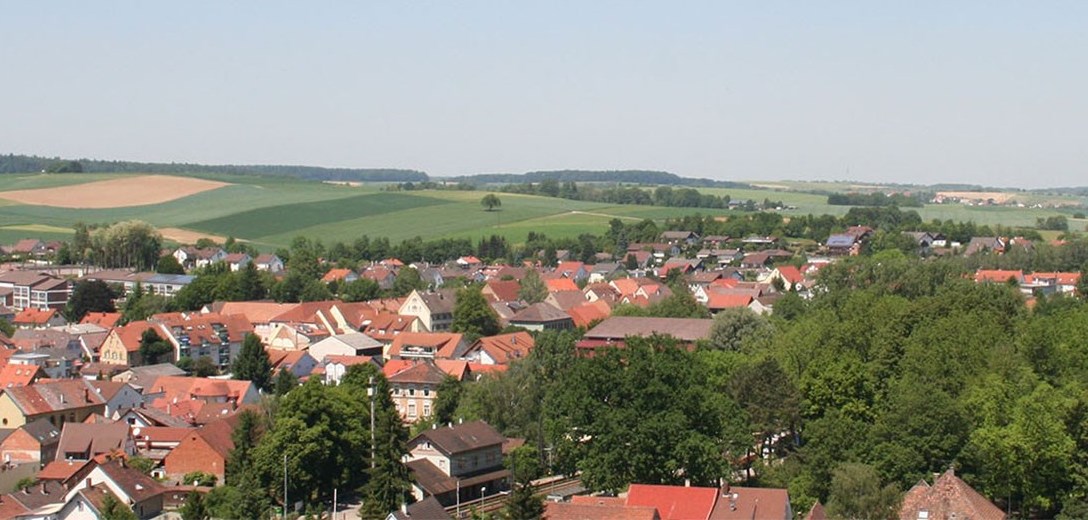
[(115, 193), (185, 236), (998, 197)]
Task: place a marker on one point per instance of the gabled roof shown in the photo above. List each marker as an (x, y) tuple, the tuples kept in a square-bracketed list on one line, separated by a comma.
[(19, 375), (131, 334), (39, 495), (585, 314), (256, 312), (444, 343), (54, 396), (43, 431), (460, 438), (674, 502), (619, 327), (420, 373), (998, 276), (566, 299), (581, 511), (336, 275), (143, 376), (92, 438), (718, 301), (504, 348), (32, 316), (427, 509), (441, 301), (948, 497), (541, 312), (561, 284), (133, 482), (745, 503), (841, 240), (504, 290), (790, 274), (105, 319)]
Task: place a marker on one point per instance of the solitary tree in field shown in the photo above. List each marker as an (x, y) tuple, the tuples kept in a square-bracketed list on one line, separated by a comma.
[(490, 201)]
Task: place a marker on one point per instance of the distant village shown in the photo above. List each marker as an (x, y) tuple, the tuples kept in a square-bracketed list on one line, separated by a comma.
[(79, 401)]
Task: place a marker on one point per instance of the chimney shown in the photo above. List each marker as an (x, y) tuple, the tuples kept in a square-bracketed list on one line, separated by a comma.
[(44, 492), (687, 482), (404, 508), (88, 482)]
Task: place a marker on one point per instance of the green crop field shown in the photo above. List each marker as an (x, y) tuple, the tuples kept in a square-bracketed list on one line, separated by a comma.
[(270, 211)]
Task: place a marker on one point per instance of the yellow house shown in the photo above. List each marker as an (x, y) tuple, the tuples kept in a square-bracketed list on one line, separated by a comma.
[(122, 345), (69, 400)]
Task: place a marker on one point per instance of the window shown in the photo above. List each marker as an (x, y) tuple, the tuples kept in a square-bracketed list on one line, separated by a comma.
[(426, 409), (411, 409)]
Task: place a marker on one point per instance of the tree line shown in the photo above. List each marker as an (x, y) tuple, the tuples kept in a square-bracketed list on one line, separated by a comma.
[(12, 163)]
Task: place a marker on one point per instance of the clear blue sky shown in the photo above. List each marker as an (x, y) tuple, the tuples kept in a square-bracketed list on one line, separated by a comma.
[(983, 92)]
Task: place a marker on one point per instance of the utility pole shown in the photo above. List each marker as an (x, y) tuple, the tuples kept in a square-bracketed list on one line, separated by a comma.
[(284, 486), (370, 392)]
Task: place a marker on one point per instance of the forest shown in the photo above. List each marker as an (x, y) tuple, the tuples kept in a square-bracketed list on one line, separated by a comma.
[(625, 176)]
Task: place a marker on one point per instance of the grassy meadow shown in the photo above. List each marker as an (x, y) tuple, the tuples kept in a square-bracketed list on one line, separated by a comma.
[(270, 211)]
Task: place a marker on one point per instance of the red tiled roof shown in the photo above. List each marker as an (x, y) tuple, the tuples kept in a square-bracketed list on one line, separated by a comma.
[(335, 275), (674, 502), (103, 319), (19, 375), (948, 497), (745, 503), (504, 290), (585, 314), (561, 284), (579, 511), (32, 316), (717, 301), (444, 343), (504, 348), (998, 276)]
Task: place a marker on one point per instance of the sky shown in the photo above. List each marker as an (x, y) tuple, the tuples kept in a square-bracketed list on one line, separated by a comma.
[(983, 92)]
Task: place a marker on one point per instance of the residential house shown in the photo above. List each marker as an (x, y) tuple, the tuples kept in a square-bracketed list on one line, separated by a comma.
[(385, 327), (598, 511), (434, 308), (334, 367), (32, 289), (564, 300), (999, 276), (105, 320), (122, 344), (28, 247), (426, 509), (32, 318), (191, 257), (141, 377), (560, 284), (203, 449), (843, 244), (684, 238), (983, 244), (268, 262), (19, 375), (340, 276), (190, 394), (791, 277), (426, 345), (36, 502), (573, 270), (468, 262), (414, 390), (237, 261), (85, 441), (500, 349), (35, 441), (457, 463), (948, 498), (589, 313), (604, 271), (676, 502), (381, 275), (299, 362), (69, 400), (501, 290), (351, 344), (746, 503), (542, 316), (613, 331), (119, 397), (129, 485)]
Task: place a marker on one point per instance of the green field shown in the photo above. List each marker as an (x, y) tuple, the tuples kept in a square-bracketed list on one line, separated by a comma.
[(270, 211)]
